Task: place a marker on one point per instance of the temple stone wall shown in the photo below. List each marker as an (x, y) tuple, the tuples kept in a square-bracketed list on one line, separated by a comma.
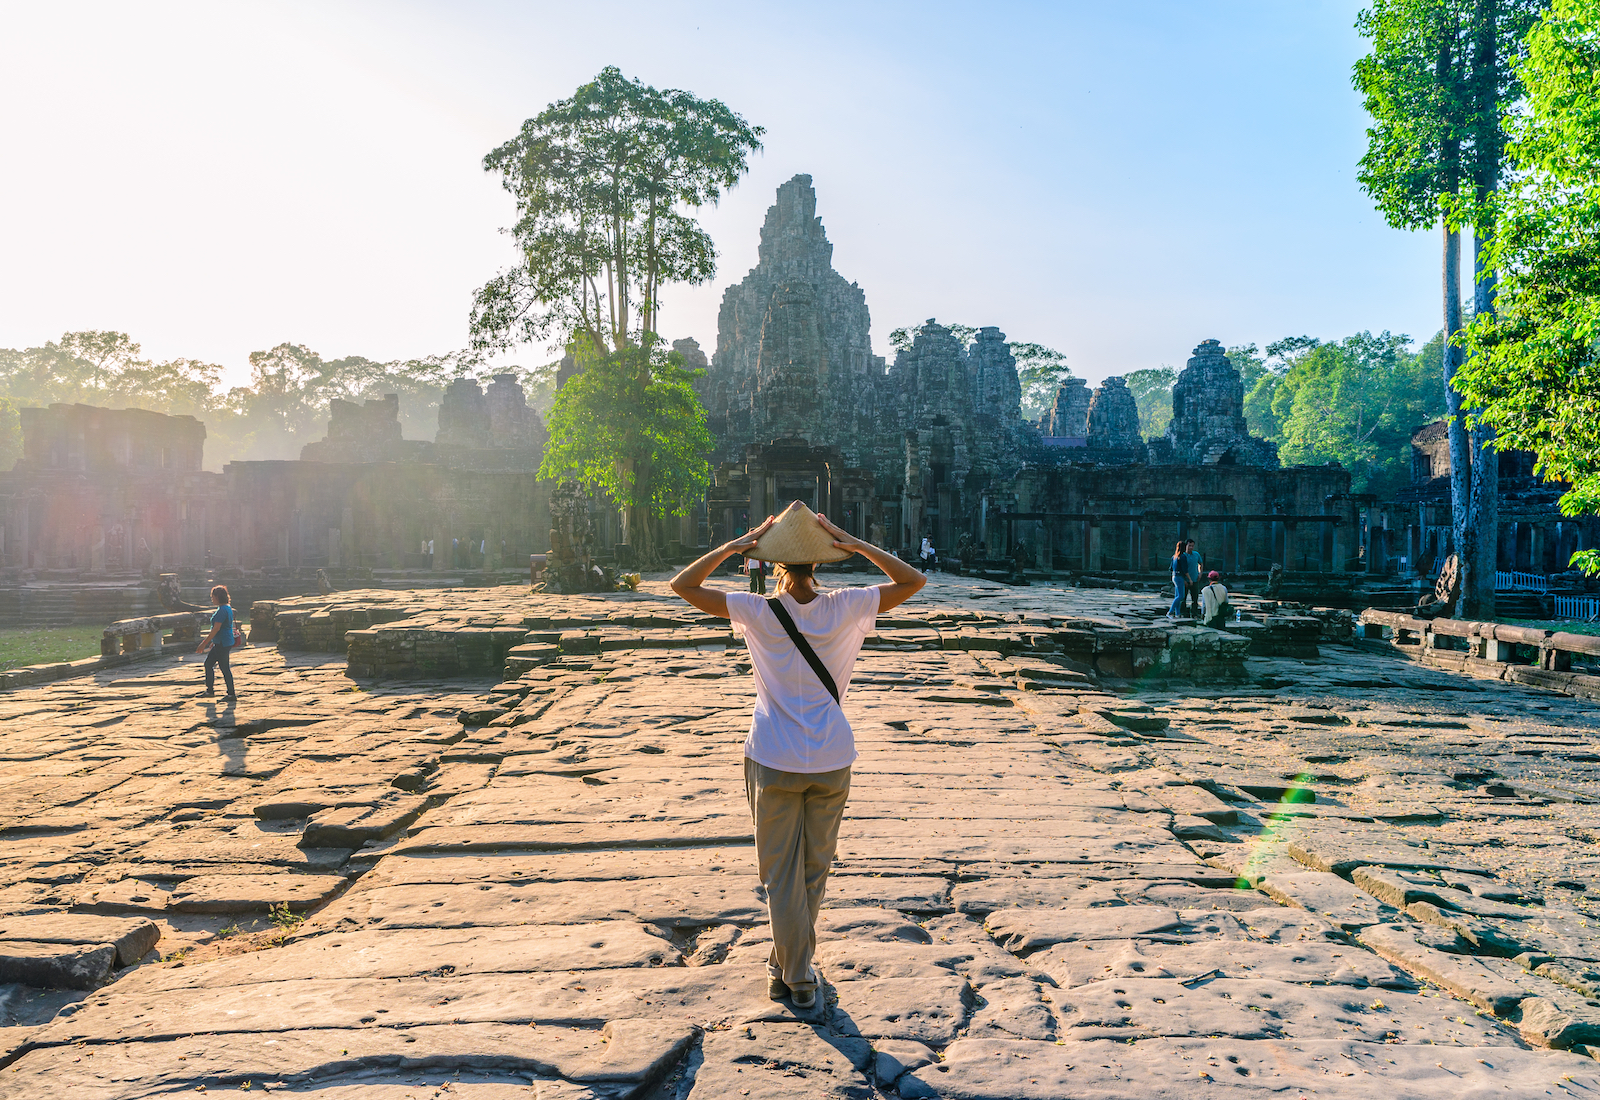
[(91, 440)]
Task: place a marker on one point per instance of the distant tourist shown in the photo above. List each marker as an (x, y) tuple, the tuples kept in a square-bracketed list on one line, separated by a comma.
[(1180, 581), (1194, 560), (1214, 606), (219, 643), (803, 645), (930, 556), (758, 575)]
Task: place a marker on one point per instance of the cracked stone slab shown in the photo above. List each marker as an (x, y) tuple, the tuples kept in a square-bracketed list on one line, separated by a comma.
[(924, 1009), (1075, 964), (783, 1062), (697, 995), (408, 953), (685, 900), (1179, 1069), (634, 1051)]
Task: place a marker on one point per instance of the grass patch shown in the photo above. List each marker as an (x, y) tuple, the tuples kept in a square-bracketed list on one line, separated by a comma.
[(21, 647), (1568, 626)]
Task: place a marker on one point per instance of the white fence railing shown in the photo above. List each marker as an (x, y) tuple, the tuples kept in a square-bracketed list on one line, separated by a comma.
[(1506, 580), (1586, 608)]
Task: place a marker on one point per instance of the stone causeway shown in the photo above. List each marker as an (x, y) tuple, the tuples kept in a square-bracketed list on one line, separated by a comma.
[(479, 844)]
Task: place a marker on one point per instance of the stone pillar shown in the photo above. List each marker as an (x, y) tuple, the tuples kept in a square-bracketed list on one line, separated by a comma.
[(490, 549), (349, 547), (1095, 556), (1341, 546), (441, 546), (1290, 561), (760, 502)]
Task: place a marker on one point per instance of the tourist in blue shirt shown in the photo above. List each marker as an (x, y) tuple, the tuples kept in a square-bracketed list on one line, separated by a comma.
[(219, 643)]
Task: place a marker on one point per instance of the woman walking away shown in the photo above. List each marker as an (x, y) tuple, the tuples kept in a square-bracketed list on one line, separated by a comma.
[(803, 645), (1180, 581), (219, 643)]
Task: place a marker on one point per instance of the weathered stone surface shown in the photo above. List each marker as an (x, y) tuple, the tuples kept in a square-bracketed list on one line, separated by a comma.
[(777, 1062), (997, 1069), (1328, 896), (56, 965), (927, 1010), (132, 938), (251, 893), (1075, 964), (343, 1061), (579, 868), (1024, 930), (1462, 975)]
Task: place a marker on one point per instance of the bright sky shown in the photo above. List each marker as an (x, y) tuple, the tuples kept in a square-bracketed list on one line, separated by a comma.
[(1119, 181)]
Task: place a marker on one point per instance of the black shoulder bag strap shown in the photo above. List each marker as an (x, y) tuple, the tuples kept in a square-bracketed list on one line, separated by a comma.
[(803, 646)]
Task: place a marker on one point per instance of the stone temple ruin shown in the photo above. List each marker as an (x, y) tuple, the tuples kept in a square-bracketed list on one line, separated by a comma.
[(934, 444), (105, 493), (931, 444)]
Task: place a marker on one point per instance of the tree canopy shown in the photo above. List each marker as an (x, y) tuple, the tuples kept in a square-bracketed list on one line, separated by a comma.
[(1152, 393), (639, 403), (1534, 375), (284, 406), (602, 183), (1436, 84), (605, 183)]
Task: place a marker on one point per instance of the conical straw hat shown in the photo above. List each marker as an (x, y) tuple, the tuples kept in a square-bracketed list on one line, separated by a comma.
[(797, 537)]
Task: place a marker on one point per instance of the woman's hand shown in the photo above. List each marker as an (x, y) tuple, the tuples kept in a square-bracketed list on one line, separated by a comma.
[(841, 538), (747, 541)]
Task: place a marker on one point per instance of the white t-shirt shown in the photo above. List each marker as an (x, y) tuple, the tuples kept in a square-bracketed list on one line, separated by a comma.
[(797, 727), (1211, 597)]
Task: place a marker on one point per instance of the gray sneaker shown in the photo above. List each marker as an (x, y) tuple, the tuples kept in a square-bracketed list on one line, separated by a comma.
[(806, 998), (776, 989)]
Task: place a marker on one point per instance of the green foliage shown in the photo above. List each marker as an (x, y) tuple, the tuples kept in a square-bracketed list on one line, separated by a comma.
[(284, 406), (1436, 80), (22, 647), (1534, 375), (1041, 371), (1152, 392), (1261, 377), (105, 368), (629, 425), (1356, 402), (601, 181)]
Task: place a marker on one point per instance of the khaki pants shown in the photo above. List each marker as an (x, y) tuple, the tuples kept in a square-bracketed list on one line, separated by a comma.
[(797, 817)]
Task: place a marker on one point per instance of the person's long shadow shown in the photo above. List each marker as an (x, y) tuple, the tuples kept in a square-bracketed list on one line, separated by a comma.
[(230, 739)]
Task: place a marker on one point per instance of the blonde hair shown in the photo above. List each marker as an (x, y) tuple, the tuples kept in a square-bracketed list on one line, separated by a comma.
[(782, 573)]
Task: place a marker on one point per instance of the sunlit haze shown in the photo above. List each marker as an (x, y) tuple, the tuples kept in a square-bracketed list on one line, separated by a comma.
[(1116, 181)]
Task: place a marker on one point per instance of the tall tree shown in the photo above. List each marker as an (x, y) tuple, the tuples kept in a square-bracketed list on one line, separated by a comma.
[(599, 180), (1152, 393), (1437, 82), (604, 183), (1535, 371)]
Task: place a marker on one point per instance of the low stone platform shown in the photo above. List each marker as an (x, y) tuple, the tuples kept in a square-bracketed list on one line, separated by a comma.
[(1346, 876), (1123, 635)]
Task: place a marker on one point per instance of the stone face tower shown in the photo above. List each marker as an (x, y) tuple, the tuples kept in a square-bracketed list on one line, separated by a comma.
[(1208, 425), (1114, 417), (794, 354), (1070, 417)]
